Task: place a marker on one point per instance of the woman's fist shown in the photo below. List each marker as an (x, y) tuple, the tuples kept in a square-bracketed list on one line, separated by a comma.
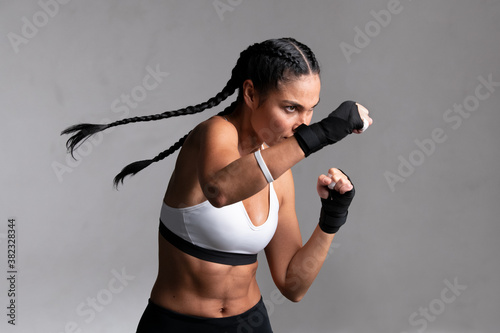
[(367, 121), (335, 180)]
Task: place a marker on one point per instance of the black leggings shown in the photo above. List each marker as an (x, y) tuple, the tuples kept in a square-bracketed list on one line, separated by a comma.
[(157, 319)]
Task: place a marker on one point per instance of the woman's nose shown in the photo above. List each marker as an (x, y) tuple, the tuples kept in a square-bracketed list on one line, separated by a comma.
[(302, 118)]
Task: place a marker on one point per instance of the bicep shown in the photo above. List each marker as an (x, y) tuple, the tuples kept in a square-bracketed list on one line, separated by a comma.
[(287, 239)]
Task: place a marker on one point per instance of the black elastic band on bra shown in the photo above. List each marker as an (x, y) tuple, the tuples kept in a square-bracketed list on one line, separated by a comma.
[(220, 257)]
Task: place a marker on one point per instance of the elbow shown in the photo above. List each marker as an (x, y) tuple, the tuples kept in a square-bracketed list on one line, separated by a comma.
[(294, 298), (215, 196), (218, 201), (292, 295)]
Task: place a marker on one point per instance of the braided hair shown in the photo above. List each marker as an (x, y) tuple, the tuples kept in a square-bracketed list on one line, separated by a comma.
[(268, 64)]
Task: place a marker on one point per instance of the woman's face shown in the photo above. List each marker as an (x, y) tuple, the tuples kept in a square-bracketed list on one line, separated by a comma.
[(286, 108)]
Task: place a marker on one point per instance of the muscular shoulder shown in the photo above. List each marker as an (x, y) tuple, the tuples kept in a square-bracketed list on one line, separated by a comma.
[(217, 141), (214, 138), (215, 130), (206, 147)]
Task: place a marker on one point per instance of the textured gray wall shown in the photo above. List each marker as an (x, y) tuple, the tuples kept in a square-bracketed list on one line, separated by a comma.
[(420, 249)]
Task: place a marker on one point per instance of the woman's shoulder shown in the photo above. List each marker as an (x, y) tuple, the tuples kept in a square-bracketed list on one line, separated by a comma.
[(215, 128), (218, 122)]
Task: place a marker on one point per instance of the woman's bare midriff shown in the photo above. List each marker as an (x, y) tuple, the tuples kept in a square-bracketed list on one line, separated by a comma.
[(191, 286)]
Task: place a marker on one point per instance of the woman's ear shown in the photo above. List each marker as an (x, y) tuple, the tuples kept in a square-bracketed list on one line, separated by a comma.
[(250, 95)]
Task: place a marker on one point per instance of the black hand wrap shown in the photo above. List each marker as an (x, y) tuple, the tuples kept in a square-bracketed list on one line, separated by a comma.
[(331, 129), (334, 210)]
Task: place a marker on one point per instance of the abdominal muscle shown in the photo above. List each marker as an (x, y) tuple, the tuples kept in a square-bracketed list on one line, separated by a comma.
[(195, 287)]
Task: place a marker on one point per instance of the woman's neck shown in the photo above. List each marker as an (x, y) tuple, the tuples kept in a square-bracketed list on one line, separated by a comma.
[(249, 141)]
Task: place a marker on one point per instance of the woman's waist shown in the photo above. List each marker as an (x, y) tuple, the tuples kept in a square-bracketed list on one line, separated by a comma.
[(212, 302)]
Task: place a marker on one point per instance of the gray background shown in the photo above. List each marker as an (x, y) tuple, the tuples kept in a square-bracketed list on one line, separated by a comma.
[(402, 243)]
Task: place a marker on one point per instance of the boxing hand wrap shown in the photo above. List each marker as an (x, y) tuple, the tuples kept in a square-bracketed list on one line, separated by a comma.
[(329, 130), (334, 210)]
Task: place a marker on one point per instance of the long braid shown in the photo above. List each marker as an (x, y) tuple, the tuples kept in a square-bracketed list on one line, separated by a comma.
[(308, 52), (135, 167), (284, 55), (214, 101), (82, 132), (266, 64)]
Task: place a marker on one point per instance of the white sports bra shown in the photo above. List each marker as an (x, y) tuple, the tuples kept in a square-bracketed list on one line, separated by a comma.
[(225, 235)]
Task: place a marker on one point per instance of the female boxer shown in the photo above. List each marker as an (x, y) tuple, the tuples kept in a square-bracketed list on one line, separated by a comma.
[(231, 194)]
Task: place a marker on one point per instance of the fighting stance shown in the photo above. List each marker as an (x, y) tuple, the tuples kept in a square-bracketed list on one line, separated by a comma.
[(231, 194)]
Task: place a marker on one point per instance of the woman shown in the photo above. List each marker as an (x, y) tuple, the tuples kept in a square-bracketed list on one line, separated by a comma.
[(232, 194)]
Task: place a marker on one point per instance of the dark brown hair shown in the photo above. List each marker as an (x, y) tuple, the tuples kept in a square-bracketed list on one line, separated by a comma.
[(267, 64)]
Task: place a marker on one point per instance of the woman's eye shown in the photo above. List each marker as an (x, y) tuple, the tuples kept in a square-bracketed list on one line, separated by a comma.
[(291, 108)]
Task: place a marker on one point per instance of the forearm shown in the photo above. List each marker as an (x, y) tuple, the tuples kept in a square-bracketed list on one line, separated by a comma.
[(243, 177), (306, 264)]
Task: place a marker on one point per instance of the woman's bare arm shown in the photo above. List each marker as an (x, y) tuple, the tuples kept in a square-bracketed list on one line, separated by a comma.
[(294, 266), (225, 177)]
